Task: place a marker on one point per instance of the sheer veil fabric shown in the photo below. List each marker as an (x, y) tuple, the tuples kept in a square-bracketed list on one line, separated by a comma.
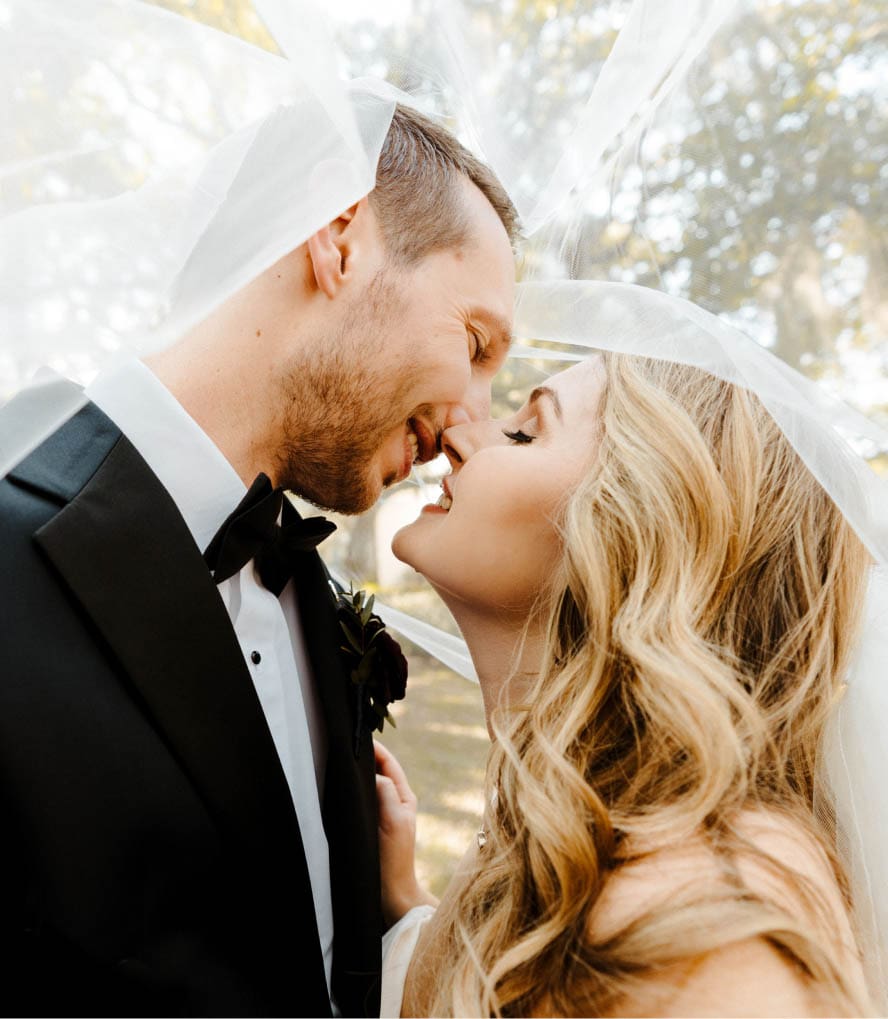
[(151, 166)]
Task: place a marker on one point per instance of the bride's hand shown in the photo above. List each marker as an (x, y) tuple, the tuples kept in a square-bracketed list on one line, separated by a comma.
[(397, 839)]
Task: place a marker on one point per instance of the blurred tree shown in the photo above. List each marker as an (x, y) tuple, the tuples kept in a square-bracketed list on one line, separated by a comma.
[(769, 206)]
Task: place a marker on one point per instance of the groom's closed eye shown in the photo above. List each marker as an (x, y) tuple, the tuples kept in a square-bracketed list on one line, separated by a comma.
[(497, 329), (482, 350)]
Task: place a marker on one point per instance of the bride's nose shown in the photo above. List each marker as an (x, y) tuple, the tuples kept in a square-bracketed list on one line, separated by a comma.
[(460, 442)]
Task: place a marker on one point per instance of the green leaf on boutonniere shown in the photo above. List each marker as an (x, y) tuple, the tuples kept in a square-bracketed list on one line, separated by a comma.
[(377, 667), (351, 638)]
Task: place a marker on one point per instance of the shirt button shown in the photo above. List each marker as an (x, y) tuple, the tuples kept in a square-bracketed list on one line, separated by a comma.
[(255, 657)]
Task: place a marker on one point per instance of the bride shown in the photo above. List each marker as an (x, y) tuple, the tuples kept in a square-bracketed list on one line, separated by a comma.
[(661, 603)]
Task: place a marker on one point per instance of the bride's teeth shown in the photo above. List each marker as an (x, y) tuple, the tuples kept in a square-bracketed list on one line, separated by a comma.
[(414, 444), (444, 501)]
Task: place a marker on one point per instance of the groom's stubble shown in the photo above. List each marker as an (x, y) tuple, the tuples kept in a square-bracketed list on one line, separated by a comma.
[(341, 400)]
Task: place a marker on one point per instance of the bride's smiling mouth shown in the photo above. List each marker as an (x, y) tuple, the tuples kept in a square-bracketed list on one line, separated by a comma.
[(445, 500)]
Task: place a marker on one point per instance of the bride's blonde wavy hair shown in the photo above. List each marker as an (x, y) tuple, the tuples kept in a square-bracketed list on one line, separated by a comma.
[(697, 642)]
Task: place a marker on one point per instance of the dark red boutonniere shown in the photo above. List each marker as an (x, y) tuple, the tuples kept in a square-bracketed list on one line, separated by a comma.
[(377, 664)]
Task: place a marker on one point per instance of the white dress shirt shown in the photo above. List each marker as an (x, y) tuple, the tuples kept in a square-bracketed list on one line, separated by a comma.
[(205, 488)]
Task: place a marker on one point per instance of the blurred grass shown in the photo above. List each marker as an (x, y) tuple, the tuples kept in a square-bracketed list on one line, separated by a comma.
[(441, 741)]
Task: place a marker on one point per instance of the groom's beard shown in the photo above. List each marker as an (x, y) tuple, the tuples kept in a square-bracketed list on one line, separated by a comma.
[(340, 409)]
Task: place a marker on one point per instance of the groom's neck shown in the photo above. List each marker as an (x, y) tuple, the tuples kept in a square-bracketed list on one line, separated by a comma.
[(227, 372), (221, 398)]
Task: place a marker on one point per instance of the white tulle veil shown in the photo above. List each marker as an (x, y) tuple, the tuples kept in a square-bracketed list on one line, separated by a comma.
[(151, 166)]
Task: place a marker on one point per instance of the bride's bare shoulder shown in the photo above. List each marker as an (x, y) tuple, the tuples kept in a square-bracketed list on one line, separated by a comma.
[(746, 975)]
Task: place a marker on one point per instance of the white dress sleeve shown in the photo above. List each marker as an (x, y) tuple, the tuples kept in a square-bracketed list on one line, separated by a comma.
[(398, 944)]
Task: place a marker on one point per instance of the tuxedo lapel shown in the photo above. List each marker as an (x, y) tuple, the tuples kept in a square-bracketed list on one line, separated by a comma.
[(126, 555), (349, 801), (155, 603)]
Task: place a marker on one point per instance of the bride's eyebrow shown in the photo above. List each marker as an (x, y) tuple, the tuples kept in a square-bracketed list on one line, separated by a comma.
[(544, 392)]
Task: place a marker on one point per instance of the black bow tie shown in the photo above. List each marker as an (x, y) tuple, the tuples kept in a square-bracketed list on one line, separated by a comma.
[(252, 532)]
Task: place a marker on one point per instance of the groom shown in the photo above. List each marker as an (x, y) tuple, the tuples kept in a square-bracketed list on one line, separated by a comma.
[(189, 827)]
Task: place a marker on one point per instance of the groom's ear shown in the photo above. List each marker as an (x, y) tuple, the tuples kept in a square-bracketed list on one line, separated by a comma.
[(334, 249)]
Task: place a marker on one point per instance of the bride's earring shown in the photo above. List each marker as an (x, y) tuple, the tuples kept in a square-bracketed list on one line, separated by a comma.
[(481, 833)]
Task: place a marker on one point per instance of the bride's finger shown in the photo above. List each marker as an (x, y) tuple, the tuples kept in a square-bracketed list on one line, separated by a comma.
[(387, 765), (388, 801)]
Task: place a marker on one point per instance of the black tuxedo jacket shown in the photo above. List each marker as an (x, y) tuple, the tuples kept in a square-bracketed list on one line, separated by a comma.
[(151, 856)]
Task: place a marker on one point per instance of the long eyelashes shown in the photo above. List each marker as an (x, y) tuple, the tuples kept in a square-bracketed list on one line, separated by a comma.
[(522, 438)]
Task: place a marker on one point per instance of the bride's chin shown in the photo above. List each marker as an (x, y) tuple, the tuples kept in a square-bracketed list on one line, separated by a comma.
[(405, 544), (418, 544)]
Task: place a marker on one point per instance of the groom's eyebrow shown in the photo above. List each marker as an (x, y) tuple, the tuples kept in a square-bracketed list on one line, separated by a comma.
[(544, 392)]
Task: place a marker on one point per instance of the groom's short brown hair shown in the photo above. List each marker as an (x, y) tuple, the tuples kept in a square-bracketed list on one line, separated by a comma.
[(417, 196)]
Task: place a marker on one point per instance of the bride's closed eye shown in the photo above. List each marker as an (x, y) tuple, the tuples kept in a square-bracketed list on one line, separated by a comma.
[(519, 437)]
